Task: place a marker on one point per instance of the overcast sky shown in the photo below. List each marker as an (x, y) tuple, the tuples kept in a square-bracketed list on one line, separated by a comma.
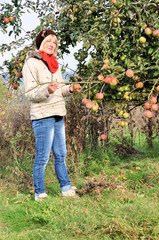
[(29, 22)]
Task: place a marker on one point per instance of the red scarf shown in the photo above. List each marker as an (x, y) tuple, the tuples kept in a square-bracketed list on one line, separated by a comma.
[(50, 60)]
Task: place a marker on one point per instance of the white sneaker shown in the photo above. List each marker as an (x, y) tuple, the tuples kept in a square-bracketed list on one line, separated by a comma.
[(70, 193), (40, 197)]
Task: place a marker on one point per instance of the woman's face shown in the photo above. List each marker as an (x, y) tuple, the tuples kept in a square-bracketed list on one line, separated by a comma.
[(49, 44)]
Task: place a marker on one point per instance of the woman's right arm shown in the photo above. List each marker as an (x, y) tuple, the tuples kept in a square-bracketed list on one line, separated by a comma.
[(33, 90)]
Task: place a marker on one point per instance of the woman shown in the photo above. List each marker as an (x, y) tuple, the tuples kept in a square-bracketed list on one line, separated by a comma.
[(45, 89)]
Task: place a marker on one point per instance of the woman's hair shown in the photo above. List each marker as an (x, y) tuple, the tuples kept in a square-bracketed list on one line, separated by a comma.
[(47, 39), (42, 35)]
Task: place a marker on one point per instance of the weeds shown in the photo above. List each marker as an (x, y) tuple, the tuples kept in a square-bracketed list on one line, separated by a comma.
[(121, 202)]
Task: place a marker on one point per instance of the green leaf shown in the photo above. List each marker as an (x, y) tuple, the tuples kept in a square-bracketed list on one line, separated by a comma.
[(150, 50), (156, 73), (130, 27), (10, 33)]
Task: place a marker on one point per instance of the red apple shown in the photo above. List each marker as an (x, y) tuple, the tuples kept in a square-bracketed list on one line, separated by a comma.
[(144, 25), (76, 86), (154, 107), (16, 63), (99, 96), (139, 85), (147, 105), (156, 33), (75, 9), (100, 77), (22, 58), (84, 100), (157, 88), (126, 96), (105, 66), (148, 31), (135, 77), (88, 104), (153, 100), (103, 136), (107, 79), (12, 18), (113, 1), (15, 86), (116, 20), (114, 81), (118, 110), (6, 20), (14, 70), (148, 114), (129, 73), (95, 107), (18, 74)]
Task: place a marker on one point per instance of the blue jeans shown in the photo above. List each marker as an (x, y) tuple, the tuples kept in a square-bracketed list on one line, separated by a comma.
[(50, 134)]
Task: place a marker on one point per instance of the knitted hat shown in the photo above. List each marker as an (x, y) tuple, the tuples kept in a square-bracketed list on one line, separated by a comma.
[(42, 35)]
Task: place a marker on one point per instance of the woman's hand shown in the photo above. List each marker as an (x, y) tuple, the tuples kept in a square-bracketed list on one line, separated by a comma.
[(75, 87), (53, 87)]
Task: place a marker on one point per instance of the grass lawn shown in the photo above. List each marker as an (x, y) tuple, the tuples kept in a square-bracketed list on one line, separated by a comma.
[(121, 202)]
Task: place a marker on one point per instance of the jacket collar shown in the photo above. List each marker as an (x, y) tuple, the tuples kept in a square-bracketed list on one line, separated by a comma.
[(33, 54)]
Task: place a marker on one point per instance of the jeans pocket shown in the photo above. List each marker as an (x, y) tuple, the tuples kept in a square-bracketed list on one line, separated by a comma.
[(36, 123)]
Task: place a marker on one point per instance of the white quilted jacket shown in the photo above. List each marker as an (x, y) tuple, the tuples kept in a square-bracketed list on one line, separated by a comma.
[(36, 79)]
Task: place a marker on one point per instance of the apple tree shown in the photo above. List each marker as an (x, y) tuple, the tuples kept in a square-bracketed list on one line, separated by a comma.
[(120, 53), (122, 40)]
